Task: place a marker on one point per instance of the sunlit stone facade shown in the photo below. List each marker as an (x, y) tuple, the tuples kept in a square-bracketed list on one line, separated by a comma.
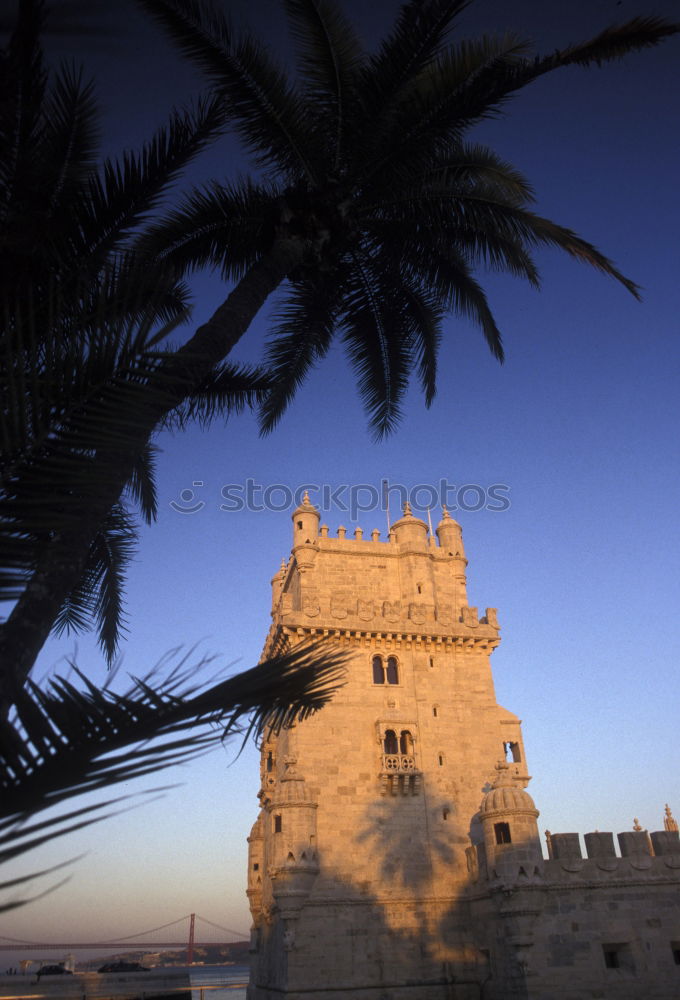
[(396, 854)]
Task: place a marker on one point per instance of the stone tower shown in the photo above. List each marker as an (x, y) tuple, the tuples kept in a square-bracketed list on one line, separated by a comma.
[(396, 855), (370, 825)]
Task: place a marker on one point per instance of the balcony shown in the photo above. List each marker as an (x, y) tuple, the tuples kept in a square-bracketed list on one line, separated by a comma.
[(399, 774), (398, 763)]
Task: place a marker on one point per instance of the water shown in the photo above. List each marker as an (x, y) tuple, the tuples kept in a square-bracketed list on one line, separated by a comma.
[(218, 982)]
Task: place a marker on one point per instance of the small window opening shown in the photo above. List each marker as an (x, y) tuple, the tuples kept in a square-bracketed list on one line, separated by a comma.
[(611, 956), (256, 867), (445, 813), (502, 831), (390, 742), (392, 671), (291, 856), (675, 947), (420, 588), (378, 671), (270, 761), (441, 759), (277, 824), (434, 711), (512, 752), (431, 661), (618, 956)]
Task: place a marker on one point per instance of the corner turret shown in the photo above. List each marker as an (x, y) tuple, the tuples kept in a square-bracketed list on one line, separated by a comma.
[(410, 530), (277, 582), (305, 522), (508, 816), (294, 863), (450, 535)]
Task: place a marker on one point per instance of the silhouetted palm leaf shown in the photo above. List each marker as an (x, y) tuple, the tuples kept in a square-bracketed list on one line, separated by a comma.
[(72, 738)]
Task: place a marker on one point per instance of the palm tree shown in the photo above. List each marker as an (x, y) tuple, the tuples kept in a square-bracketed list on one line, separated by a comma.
[(372, 212), (84, 316), (84, 319)]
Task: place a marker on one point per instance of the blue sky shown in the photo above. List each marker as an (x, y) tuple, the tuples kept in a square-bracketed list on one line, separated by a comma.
[(580, 424)]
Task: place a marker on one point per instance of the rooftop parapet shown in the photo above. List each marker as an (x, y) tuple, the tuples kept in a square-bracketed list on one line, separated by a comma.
[(665, 842), (409, 531), (633, 843), (564, 845), (600, 845), (645, 857)]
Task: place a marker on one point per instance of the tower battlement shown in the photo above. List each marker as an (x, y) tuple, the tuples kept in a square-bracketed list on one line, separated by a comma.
[(653, 857), (411, 585)]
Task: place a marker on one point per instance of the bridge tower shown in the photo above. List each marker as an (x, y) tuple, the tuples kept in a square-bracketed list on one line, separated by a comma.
[(370, 830)]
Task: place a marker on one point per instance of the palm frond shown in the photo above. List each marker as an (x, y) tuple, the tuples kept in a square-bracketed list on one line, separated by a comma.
[(304, 329), (426, 122), (223, 225), (378, 339), (473, 81), (329, 57), (73, 738), (121, 196), (449, 274), (417, 37), (229, 390), (24, 78), (98, 597), (142, 484), (70, 141), (263, 106)]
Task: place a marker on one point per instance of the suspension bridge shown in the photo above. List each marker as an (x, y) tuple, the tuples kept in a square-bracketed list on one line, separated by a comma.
[(198, 932)]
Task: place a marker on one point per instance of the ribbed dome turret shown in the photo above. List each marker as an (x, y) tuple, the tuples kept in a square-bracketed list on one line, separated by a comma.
[(293, 787), (506, 796)]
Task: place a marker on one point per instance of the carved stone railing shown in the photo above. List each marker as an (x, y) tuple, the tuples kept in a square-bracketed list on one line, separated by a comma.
[(398, 763)]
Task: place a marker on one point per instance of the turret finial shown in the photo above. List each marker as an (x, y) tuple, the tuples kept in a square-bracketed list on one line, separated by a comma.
[(445, 513), (305, 497), (503, 775), (636, 824), (669, 821), (407, 510)]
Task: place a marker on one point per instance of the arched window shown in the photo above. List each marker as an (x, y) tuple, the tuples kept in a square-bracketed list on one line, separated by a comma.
[(390, 742), (378, 670), (405, 742), (392, 671)]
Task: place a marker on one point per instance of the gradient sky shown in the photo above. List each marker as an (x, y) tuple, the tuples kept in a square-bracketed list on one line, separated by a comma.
[(580, 424)]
